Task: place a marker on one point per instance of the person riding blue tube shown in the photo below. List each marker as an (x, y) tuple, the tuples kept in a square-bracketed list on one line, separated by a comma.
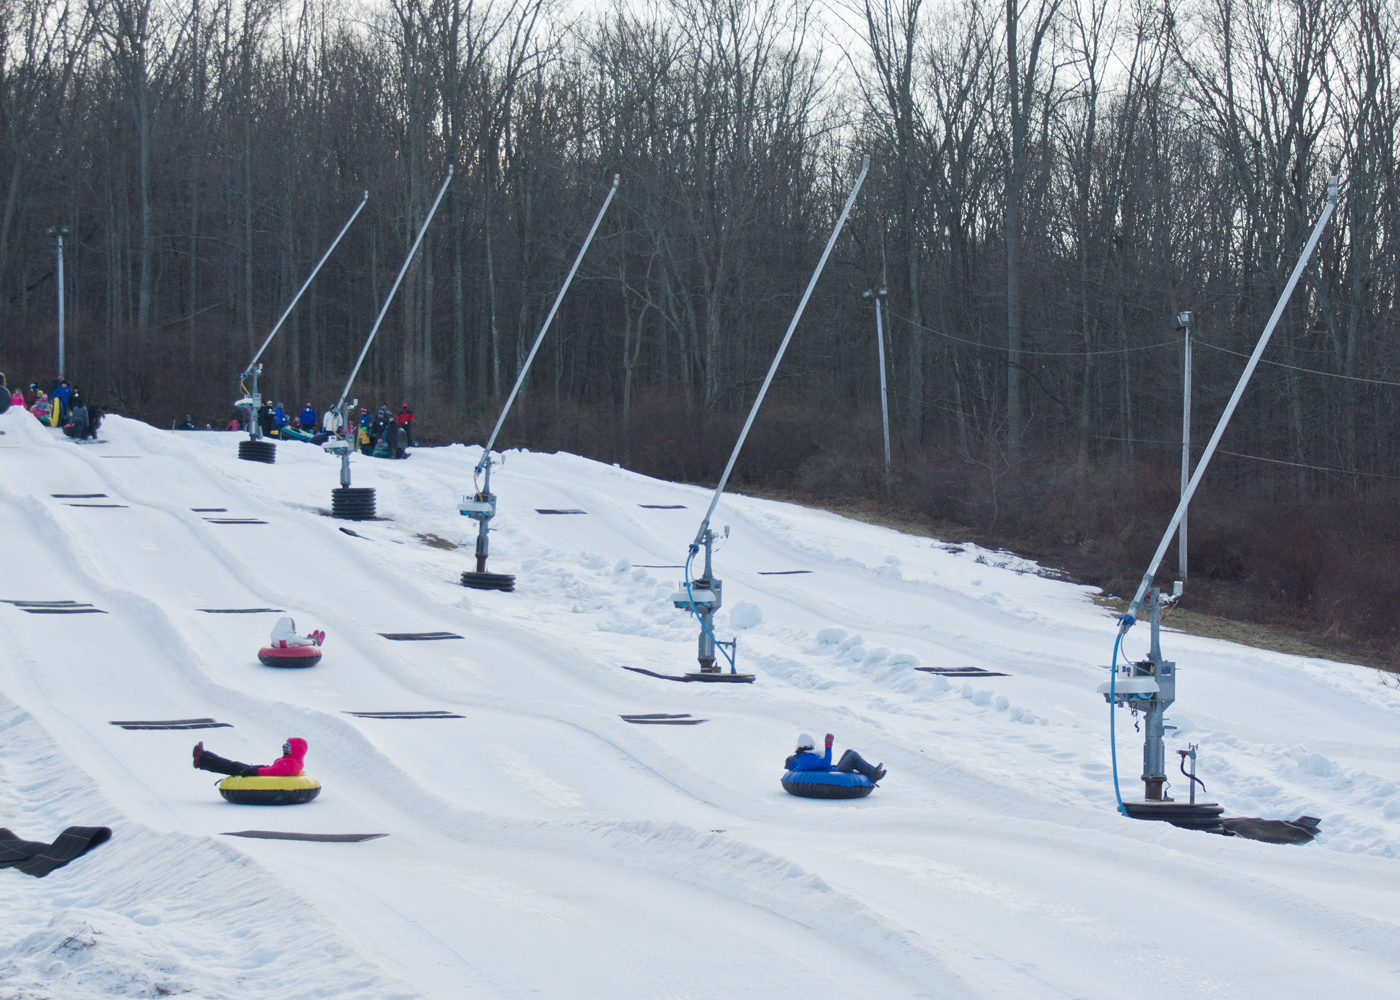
[(806, 759)]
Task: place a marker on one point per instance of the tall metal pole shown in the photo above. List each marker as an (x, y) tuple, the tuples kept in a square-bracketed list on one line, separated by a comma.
[(878, 295), (539, 339), (60, 232), (773, 368), (388, 299), (307, 283), (1127, 620), (884, 392), (1183, 321)]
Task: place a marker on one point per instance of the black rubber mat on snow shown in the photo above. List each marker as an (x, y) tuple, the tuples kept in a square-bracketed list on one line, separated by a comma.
[(38, 859), (406, 715), (659, 719), (961, 672), (237, 611), (782, 572), (172, 724), (662, 506), (418, 636), (234, 520), (122, 505), (548, 510), (79, 496), (321, 838), (1273, 831), (56, 608), (210, 510)]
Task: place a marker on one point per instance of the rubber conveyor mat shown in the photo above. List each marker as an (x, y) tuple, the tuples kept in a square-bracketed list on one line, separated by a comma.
[(56, 607), (406, 715), (238, 611), (323, 838), (418, 636), (658, 719), (550, 510), (79, 496), (172, 724), (38, 859), (961, 672)]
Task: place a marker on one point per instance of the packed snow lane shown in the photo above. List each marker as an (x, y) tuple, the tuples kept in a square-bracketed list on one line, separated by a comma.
[(543, 843)]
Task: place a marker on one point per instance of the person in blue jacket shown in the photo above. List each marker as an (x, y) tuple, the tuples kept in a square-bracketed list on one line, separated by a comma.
[(308, 419), (806, 759), (279, 417)]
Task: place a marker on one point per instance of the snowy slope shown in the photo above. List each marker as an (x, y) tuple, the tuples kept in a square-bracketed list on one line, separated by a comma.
[(542, 845)]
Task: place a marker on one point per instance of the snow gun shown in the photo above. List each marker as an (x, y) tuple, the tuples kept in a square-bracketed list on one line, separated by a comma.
[(1149, 686)]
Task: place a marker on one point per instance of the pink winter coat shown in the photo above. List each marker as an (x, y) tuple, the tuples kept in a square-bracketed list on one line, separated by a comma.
[(289, 766)]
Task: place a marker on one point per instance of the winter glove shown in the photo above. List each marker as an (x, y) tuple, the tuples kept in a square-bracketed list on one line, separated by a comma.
[(249, 772), (829, 740)]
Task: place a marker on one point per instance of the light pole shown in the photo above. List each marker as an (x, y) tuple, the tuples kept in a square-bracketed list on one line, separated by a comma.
[(60, 232), (1184, 320), (879, 295)]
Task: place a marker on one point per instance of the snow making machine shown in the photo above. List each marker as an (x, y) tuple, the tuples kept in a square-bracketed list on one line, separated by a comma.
[(357, 503), (254, 449), (704, 595), (1149, 685), (481, 505)]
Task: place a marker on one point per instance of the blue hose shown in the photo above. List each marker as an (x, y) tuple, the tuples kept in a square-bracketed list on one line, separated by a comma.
[(1112, 733), (691, 598)]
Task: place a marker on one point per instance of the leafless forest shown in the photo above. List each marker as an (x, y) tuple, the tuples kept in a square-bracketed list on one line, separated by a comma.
[(1052, 181)]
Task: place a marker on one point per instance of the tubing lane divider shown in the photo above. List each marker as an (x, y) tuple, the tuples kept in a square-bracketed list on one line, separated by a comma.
[(388, 300), (307, 283), (539, 339), (777, 358)]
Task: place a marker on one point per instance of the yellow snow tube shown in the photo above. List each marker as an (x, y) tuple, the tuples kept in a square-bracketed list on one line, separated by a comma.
[(267, 791)]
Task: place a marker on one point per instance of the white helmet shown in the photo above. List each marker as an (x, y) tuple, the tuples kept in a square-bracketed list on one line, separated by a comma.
[(805, 742)]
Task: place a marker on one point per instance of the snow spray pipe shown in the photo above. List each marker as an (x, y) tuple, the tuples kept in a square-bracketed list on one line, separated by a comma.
[(773, 368), (307, 284), (1126, 621), (340, 404), (539, 339)]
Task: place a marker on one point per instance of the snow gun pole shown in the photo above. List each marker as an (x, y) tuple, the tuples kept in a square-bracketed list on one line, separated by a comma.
[(777, 358), (252, 370), (481, 505), (1127, 620), (539, 338), (388, 300), (703, 596)]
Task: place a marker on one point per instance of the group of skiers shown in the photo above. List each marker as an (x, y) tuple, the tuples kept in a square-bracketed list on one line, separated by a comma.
[(386, 434), (62, 406)]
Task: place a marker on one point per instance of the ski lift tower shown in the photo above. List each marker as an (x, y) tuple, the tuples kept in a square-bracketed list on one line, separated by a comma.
[(481, 505), (1149, 686), (347, 502), (254, 450), (703, 596)]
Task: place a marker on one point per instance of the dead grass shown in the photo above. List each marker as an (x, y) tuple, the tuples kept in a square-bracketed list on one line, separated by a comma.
[(436, 542)]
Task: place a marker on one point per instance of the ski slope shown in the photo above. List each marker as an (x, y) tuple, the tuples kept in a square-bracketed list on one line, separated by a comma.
[(541, 845)]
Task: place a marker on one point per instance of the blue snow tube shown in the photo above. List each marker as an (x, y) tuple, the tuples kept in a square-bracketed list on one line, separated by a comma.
[(827, 784)]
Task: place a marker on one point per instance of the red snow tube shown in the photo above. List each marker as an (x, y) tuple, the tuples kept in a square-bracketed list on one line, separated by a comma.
[(291, 656)]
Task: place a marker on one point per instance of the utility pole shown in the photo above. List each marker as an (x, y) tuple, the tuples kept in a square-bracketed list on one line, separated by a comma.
[(60, 232), (879, 295), (1183, 323)]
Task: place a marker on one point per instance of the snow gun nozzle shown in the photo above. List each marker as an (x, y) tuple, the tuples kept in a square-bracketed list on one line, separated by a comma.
[(1125, 622), (694, 548)]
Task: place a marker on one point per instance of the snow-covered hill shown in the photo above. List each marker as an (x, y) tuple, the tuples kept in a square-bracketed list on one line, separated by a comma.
[(543, 845)]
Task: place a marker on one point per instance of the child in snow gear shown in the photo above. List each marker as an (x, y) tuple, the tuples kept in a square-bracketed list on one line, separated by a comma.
[(284, 635), (806, 759), (289, 765)]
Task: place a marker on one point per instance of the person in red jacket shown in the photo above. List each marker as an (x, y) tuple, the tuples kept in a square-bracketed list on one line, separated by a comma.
[(289, 765)]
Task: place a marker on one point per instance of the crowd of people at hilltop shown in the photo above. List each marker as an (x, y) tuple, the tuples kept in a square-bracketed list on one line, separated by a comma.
[(62, 406), (385, 434)]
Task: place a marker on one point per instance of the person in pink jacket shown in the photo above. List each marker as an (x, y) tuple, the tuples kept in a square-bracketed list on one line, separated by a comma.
[(289, 765)]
